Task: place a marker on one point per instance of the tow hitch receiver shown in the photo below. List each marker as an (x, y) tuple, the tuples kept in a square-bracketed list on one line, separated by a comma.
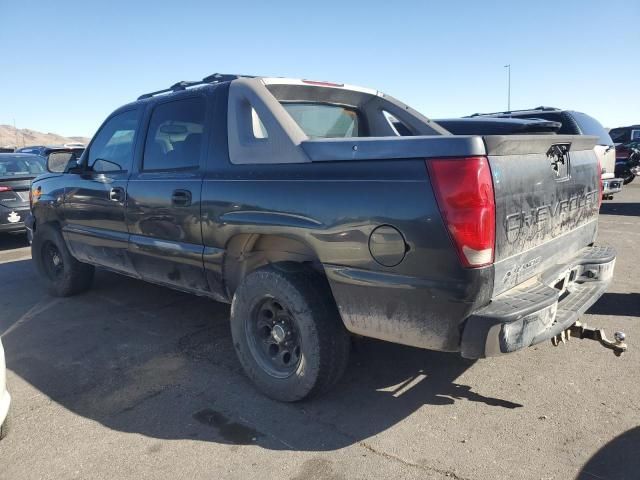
[(581, 331)]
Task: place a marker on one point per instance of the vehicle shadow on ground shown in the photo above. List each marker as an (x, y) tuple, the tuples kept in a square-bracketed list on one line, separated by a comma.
[(625, 209), (624, 304), (618, 459), (145, 359)]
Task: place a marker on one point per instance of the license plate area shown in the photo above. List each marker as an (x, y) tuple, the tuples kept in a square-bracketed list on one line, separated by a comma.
[(563, 283)]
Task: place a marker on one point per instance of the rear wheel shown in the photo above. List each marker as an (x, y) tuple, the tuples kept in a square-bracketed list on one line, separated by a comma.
[(628, 179), (287, 332), (60, 271)]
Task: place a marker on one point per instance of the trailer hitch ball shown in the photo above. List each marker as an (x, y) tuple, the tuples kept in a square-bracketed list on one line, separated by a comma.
[(585, 332)]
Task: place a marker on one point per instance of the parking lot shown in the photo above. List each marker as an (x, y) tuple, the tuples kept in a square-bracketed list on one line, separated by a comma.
[(136, 381)]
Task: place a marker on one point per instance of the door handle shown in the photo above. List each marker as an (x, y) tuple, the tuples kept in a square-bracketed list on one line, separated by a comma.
[(181, 198), (116, 194)]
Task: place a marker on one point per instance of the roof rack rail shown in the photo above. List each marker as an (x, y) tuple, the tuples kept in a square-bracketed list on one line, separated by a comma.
[(540, 108), (184, 84)]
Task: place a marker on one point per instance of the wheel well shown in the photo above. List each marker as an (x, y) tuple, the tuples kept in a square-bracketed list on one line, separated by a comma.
[(52, 223), (247, 252)]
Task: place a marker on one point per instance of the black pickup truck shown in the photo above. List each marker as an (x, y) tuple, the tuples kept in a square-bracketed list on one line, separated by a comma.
[(301, 204)]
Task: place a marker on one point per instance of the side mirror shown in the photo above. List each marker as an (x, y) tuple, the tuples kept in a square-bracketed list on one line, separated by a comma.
[(61, 161)]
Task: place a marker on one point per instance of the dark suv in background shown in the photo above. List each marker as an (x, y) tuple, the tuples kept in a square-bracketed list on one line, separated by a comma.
[(625, 134), (625, 138), (44, 150), (576, 123)]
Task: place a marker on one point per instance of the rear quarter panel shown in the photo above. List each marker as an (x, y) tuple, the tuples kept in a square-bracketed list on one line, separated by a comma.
[(333, 207)]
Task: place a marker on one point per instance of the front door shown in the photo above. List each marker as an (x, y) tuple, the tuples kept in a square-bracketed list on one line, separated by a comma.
[(163, 208), (94, 205)]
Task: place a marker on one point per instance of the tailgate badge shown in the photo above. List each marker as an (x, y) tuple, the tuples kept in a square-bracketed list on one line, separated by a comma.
[(13, 217), (558, 155)]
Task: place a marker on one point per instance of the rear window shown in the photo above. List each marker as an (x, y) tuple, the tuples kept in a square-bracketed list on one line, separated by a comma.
[(567, 127), (21, 166), (620, 135), (590, 126), (318, 120)]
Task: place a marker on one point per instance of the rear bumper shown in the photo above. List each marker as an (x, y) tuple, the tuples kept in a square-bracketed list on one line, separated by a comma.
[(12, 220), (12, 227), (535, 312), (611, 186)]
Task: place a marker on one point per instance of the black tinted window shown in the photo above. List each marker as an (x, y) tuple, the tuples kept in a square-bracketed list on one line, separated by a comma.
[(112, 147), (620, 135), (568, 125), (174, 139), (320, 120), (590, 126), (18, 166)]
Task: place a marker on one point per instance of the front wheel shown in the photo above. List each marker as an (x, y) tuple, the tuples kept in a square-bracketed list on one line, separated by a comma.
[(628, 179), (60, 271), (287, 332)]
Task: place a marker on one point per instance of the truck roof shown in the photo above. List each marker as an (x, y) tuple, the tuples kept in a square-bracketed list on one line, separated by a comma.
[(217, 78)]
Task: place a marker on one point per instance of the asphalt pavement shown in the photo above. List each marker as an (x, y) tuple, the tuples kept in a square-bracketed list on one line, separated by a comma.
[(136, 381)]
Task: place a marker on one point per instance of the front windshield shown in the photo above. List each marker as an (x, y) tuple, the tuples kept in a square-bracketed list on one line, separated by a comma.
[(17, 166)]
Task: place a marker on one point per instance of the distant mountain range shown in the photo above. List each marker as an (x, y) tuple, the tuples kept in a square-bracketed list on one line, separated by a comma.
[(19, 137)]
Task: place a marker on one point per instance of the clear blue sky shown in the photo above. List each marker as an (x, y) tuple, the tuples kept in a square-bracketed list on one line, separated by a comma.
[(66, 64)]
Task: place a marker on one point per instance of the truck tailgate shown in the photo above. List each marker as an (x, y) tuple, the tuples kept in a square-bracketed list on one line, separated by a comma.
[(547, 200)]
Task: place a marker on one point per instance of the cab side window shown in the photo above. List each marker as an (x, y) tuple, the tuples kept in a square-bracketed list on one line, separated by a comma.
[(175, 136), (112, 147)]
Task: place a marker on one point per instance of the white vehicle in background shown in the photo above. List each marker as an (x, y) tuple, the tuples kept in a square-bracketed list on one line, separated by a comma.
[(5, 398)]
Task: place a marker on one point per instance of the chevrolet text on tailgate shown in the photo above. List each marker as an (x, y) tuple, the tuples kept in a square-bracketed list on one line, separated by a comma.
[(320, 210)]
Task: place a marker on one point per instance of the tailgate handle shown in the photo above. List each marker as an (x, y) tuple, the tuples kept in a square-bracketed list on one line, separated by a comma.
[(181, 198)]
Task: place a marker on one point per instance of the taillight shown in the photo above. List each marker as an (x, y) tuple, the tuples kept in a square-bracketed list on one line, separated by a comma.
[(4, 188), (464, 192)]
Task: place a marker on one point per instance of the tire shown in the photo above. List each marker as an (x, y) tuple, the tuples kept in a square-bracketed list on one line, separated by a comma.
[(627, 180), (310, 322), (6, 426), (61, 272)]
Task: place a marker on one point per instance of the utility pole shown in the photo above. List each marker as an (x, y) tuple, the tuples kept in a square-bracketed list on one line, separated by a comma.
[(15, 131), (508, 67)]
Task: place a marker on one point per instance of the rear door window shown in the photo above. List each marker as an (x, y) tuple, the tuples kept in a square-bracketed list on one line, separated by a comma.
[(11, 166), (319, 120), (175, 136)]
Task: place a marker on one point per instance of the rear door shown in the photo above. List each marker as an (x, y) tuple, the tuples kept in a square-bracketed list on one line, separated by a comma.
[(94, 205), (163, 208)]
